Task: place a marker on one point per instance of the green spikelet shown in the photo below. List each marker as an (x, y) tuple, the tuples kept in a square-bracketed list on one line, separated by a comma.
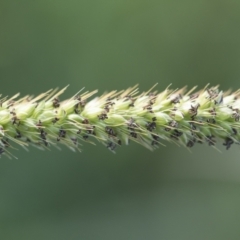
[(115, 118)]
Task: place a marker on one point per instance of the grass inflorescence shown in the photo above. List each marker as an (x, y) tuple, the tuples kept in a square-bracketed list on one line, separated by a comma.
[(115, 118)]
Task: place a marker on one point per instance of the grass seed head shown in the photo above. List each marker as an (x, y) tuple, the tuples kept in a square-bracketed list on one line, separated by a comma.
[(116, 118)]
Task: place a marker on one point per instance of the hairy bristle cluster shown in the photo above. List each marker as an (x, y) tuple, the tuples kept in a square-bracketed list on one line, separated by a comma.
[(115, 118)]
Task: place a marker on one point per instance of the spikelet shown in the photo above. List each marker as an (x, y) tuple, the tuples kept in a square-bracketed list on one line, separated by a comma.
[(115, 118)]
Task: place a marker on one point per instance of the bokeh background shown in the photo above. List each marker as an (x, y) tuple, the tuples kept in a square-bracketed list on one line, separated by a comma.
[(135, 194)]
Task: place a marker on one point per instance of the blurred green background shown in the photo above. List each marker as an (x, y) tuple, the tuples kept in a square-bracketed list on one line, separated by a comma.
[(107, 45)]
